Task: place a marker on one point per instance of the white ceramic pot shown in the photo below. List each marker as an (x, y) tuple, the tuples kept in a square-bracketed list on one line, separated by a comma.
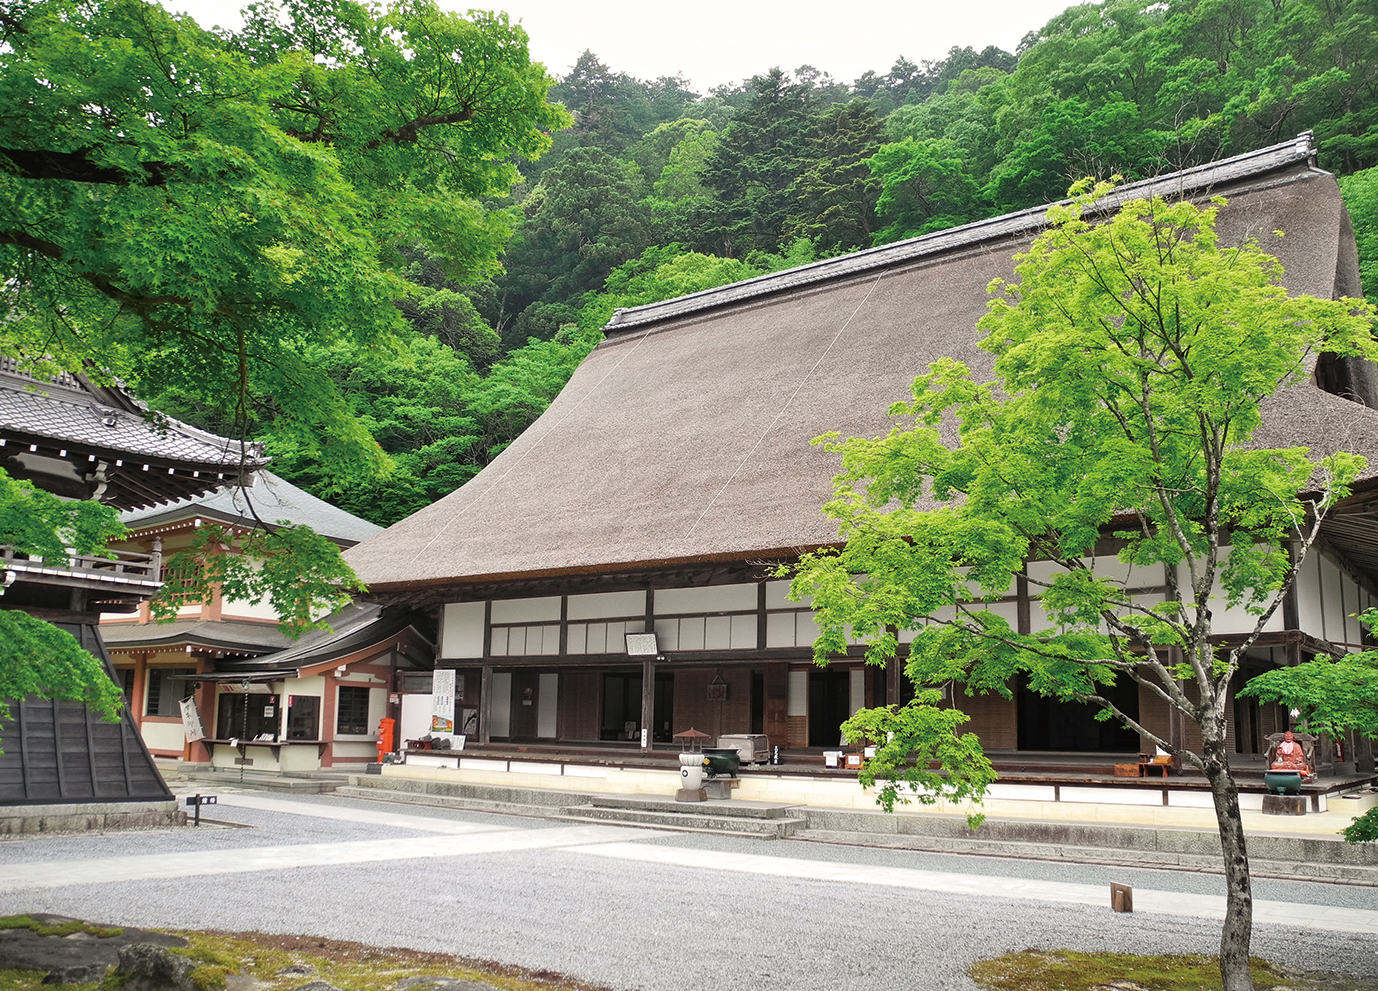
[(691, 771)]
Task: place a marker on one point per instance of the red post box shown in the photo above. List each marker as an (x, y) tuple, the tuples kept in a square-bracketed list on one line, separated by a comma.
[(386, 728)]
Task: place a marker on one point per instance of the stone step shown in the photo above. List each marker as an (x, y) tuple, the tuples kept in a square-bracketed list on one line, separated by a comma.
[(263, 781), (538, 798), (751, 826), (759, 820), (466, 803), (732, 808)]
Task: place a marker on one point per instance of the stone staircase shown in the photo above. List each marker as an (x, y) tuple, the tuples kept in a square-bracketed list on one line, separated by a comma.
[(760, 820), (189, 777)]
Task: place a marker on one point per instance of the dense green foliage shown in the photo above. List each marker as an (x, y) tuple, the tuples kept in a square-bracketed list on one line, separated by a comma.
[(299, 573), (1131, 360), (326, 232), (1361, 198), (645, 169), (190, 210), (37, 659), (204, 214)]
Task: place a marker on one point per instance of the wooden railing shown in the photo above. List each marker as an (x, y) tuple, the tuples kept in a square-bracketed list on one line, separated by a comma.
[(113, 565)]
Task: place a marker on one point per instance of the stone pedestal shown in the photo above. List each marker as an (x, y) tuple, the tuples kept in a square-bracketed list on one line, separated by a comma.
[(1284, 805), (720, 788), (690, 795)]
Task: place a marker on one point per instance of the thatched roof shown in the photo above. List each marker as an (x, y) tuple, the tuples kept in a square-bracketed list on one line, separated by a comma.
[(684, 437)]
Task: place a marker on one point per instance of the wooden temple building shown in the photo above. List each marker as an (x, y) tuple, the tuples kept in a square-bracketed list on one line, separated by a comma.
[(81, 440), (608, 580), (284, 705)]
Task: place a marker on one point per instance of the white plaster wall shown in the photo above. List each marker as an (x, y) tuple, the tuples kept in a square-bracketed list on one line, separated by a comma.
[(1332, 598), (366, 750), (1308, 586), (240, 609), (262, 757), (776, 597), (461, 630), (714, 598), (1008, 611), (1237, 619), (302, 758), (1328, 599), (165, 736), (415, 721), (780, 629), (606, 605), (537, 610)]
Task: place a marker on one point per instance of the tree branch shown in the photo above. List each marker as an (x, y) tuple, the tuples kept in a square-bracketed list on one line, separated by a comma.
[(408, 132), (76, 166), (135, 301)]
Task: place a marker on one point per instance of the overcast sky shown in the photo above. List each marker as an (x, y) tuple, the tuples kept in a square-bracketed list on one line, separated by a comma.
[(726, 41)]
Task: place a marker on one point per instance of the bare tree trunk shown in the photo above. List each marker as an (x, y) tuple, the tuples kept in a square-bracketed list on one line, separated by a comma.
[(1237, 931)]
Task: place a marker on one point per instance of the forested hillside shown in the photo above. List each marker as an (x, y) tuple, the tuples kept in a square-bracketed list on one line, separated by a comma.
[(658, 190)]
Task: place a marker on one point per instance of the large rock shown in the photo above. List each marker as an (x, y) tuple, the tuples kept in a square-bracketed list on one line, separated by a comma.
[(152, 968), (76, 957)]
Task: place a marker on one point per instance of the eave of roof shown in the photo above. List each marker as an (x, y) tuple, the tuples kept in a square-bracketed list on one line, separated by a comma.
[(357, 627), (271, 499), (228, 635), (88, 430)]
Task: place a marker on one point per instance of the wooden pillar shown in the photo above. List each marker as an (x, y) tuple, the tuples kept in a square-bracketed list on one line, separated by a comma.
[(137, 688), (648, 704), (204, 698), (485, 702)]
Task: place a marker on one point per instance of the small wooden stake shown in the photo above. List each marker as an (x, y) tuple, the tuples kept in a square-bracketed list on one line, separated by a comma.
[(1121, 897)]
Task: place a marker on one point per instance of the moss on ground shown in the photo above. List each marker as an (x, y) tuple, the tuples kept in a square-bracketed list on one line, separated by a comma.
[(63, 929), (352, 966), (360, 967), (1065, 970)]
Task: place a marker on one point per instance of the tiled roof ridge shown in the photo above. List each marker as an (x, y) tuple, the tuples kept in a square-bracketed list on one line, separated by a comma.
[(79, 390), (1274, 158)]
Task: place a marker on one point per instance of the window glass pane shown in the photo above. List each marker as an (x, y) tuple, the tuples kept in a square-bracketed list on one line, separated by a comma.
[(303, 717), (246, 717), (352, 715), (166, 687)]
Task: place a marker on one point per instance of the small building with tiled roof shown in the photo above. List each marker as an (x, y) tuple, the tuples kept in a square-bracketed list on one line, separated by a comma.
[(675, 471), (76, 438), (286, 705)]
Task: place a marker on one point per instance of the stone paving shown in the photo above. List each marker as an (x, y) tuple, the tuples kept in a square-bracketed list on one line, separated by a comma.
[(604, 902)]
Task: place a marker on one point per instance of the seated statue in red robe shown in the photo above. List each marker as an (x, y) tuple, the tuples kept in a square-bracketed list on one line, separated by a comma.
[(1290, 755)]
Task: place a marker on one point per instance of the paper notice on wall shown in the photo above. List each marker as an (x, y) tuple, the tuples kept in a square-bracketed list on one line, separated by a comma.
[(443, 701), (191, 720)]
